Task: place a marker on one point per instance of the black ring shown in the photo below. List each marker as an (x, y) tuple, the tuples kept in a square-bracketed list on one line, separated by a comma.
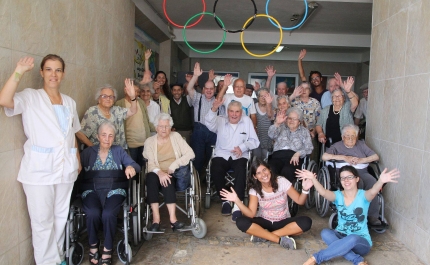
[(239, 30)]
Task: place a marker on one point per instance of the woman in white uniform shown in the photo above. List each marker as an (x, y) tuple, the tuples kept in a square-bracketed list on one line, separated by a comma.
[(50, 163)]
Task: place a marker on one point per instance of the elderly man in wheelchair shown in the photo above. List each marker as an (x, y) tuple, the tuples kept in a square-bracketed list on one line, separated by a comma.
[(236, 137), (356, 153), (106, 168)]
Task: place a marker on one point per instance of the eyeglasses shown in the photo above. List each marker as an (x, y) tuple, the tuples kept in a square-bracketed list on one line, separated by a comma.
[(107, 97), (350, 177), (315, 78), (164, 127), (352, 137), (292, 119)]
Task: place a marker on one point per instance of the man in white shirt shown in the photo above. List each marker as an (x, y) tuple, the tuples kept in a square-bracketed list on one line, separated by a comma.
[(236, 137), (361, 111)]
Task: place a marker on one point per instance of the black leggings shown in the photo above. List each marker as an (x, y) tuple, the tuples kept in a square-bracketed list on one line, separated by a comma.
[(244, 223), (280, 164), (153, 187)]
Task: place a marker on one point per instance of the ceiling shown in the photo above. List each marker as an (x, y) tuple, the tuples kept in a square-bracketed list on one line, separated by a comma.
[(337, 30)]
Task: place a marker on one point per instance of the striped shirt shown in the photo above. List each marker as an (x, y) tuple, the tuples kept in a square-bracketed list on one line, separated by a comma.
[(200, 103), (263, 124)]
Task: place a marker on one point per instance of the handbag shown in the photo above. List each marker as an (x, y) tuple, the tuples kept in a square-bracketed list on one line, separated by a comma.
[(183, 178)]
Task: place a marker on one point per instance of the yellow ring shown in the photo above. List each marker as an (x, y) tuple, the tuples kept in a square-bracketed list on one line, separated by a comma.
[(261, 55)]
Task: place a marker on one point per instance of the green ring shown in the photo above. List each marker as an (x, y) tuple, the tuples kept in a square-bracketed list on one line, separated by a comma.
[(185, 38)]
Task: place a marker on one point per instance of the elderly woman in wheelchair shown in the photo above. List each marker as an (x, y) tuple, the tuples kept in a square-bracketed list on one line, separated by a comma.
[(106, 168), (350, 238), (292, 143), (358, 155), (168, 156)]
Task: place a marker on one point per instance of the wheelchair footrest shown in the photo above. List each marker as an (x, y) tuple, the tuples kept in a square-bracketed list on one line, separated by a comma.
[(185, 228), (379, 227), (161, 231)]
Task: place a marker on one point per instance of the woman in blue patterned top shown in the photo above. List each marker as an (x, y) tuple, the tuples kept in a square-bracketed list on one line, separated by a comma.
[(106, 168), (351, 237)]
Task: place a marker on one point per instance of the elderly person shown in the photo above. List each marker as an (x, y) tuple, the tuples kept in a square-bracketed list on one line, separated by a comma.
[(236, 137), (168, 156), (106, 170), (106, 111), (292, 143), (49, 166), (334, 117), (264, 121), (137, 127), (361, 111), (336, 83), (152, 108), (359, 155)]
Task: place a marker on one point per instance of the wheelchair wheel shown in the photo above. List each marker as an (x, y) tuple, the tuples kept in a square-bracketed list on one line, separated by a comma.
[(200, 229), (76, 254), (146, 236), (134, 220), (197, 193), (124, 257), (310, 201), (379, 231), (332, 222), (322, 204), (294, 207)]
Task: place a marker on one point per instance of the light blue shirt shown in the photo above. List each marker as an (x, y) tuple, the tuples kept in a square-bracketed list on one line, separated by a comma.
[(241, 134), (326, 99)]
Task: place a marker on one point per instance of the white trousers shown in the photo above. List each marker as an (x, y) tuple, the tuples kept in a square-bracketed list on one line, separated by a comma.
[(48, 207)]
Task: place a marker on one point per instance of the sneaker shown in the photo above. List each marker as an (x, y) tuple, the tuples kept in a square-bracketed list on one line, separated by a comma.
[(256, 239), (235, 213), (226, 208), (373, 220), (288, 242)]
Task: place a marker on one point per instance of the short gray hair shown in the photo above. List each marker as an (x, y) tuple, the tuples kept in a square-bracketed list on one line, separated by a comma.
[(163, 117), (298, 111), (106, 86), (350, 126), (108, 124), (309, 85), (281, 97), (148, 85), (261, 90), (341, 92), (234, 103)]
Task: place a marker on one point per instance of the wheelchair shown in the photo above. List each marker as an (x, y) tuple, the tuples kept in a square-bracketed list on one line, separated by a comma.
[(192, 200), (329, 179), (130, 225), (310, 201), (210, 187)]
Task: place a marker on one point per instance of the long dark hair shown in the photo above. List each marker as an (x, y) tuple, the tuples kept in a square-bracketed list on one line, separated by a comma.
[(253, 183), (166, 88)]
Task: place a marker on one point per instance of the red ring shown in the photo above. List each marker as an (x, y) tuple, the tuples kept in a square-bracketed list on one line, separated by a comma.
[(179, 26)]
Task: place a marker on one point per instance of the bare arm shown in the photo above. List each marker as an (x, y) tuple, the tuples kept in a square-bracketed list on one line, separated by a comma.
[(129, 89), (385, 177), (227, 82), (9, 89), (197, 72), (300, 65), (78, 156), (347, 85), (147, 74), (249, 211), (270, 70), (254, 120), (83, 138), (305, 174), (368, 159)]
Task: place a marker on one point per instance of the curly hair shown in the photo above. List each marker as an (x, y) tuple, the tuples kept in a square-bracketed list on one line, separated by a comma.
[(254, 183)]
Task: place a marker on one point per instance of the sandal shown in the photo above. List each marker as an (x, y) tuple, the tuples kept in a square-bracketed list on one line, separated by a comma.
[(176, 225), (106, 261), (155, 227), (96, 255)]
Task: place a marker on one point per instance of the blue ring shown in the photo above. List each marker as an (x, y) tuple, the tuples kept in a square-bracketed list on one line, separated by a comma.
[(296, 26)]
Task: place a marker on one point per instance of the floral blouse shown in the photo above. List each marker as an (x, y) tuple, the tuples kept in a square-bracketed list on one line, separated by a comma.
[(311, 110)]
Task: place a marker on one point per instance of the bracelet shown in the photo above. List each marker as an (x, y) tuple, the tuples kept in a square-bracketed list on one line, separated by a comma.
[(134, 99), (305, 191)]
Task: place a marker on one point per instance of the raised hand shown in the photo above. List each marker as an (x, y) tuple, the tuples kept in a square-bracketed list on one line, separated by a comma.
[(280, 117), (229, 196), (148, 54), (297, 92), (129, 88), (390, 176), (347, 85), (268, 98), (217, 103), (197, 70), (338, 78), (257, 86), (302, 54), (211, 75), (227, 79), (307, 184), (270, 71), (24, 65), (305, 174)]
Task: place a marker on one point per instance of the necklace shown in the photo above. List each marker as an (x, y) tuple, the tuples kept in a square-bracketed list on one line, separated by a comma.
[(336, 113), (53, 101)]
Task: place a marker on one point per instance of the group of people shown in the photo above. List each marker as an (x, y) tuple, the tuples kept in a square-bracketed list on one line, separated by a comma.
[(169, 126)]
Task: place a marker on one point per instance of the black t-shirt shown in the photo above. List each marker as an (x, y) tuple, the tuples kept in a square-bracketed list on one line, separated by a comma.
[(332, 127), (317, 96)]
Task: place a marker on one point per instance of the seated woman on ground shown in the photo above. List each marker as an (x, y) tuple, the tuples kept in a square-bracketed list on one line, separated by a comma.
[(268, 192), (292, 143), (351, 237), (358, 155), (103, 187), (168, 157)]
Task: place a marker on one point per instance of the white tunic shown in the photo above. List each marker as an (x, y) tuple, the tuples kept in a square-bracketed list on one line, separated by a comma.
[(49, 154)]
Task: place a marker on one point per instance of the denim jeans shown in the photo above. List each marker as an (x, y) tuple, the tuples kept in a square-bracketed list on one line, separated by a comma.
[(351, 247), (201, 141)]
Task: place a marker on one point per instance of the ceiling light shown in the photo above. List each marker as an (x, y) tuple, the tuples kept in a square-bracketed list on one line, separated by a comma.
[(279, 49)]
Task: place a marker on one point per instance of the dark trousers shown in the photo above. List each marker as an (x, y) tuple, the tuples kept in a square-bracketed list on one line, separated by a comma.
[(219, 168), (201, 142), (96, 214), (137, 155), (244, 223), (153, 186), (280, 164)]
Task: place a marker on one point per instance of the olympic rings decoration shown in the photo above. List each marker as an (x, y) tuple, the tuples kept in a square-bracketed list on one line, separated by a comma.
[(179, 26), (269, 53), (185, 38), (239, 30), (291, 28)]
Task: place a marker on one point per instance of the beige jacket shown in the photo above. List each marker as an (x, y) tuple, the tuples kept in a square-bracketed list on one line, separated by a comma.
[(183, 152)]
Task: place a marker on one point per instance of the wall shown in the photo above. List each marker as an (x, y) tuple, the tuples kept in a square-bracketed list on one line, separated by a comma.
[(398, 126), (96, 40)]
